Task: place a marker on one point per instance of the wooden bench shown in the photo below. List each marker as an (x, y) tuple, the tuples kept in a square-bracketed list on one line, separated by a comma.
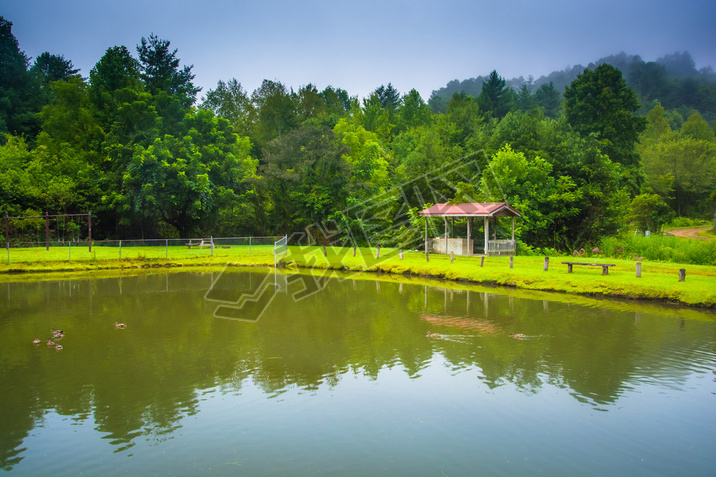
[(195, 243), (605, 266)]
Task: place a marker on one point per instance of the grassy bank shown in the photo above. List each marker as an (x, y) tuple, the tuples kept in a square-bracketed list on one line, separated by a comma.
[(659, 280)]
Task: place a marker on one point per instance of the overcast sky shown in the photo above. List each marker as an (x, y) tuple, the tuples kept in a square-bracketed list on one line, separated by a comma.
[(359, 45)]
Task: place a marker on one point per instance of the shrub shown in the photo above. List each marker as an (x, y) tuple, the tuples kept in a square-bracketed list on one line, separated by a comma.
[(681, 222), (671, 249)]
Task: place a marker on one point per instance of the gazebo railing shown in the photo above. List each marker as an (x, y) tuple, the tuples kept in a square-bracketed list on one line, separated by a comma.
[(501, 247)]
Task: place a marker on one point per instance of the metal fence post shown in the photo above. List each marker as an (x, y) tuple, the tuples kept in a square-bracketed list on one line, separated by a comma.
[(70, 250), (250, 246), (120, 250), (89, 230), (7, 232), (166, 248)]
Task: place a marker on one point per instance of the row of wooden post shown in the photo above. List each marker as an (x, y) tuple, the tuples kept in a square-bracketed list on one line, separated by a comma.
[(682, 271)]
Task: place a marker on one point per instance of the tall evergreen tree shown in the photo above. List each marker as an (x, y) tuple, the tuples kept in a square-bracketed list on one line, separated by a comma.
[(53, 67), (495, 98), (548, 98), (160, 70), (599, 102), (19, 89), (388, 96)]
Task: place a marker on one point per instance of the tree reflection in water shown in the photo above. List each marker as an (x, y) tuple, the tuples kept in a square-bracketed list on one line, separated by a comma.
[(140, 383)]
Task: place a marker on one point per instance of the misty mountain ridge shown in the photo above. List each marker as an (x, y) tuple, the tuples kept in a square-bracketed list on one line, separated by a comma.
[(672, 79)]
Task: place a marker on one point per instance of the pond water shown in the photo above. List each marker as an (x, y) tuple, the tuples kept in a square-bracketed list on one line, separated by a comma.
[(216, 374)]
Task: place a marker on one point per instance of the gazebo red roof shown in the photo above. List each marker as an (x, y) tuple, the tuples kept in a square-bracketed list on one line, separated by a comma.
[(472, 209)]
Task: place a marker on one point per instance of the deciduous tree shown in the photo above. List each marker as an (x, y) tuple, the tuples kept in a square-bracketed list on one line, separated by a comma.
[(229, 100)]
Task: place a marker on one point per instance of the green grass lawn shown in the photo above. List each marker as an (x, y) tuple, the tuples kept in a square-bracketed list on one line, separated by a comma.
[(658, 281), (102, 257)]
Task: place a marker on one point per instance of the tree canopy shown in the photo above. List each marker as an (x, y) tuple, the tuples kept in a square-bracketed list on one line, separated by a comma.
[(131, 144)]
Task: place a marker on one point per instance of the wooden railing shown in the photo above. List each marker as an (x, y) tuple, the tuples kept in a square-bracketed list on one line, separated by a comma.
[(501, 247)]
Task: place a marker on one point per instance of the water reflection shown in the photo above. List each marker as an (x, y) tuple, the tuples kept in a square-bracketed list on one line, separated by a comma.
[(141, 383)]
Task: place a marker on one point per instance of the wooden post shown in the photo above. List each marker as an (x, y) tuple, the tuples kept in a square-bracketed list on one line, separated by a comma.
[(569, 268), (427, 256), (452, 257), (400, 252), (546, 263), (638, 269), (324, 251), (354, 251), (512, 261), (482, 260), (377, 252), (682, 274)]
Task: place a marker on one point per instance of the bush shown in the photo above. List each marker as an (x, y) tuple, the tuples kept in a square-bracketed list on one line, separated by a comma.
[(682, 222), (669, 249), (529, 251)]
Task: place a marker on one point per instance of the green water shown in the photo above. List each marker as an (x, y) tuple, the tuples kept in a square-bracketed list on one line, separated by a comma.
[(344, 381)]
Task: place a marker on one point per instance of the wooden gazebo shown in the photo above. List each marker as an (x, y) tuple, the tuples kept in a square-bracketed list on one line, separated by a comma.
[(486, 210)]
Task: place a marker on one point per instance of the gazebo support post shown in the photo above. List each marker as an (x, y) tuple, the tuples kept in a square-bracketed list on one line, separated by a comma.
[(426, 234), (487, 234), (513, 229), (446, 235), (469, 249)]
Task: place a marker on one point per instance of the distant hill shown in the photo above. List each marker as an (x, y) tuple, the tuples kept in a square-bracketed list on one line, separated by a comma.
[(672, 79)]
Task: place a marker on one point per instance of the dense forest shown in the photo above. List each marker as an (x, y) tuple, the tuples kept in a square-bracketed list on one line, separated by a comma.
[(581, 153)]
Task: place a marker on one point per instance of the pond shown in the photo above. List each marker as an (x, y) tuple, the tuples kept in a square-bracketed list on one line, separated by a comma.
[(250, 373)]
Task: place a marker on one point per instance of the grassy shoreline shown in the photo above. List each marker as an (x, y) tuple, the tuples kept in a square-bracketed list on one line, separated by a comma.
[(659, 280)]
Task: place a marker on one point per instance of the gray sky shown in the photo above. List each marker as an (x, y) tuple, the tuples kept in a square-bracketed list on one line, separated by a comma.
[(358, 45)]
